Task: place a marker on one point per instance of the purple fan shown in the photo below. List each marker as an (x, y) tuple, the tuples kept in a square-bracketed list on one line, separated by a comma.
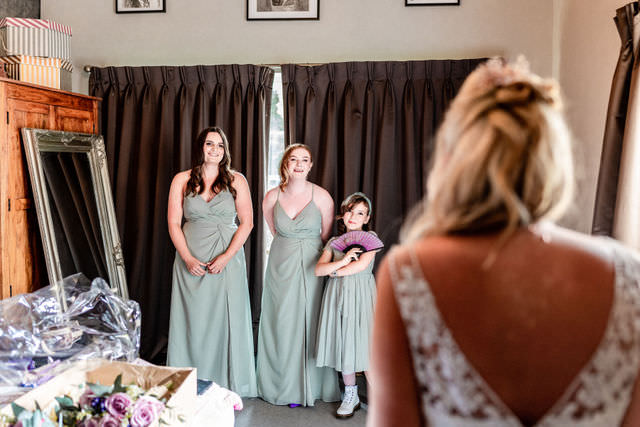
[(357, 239)]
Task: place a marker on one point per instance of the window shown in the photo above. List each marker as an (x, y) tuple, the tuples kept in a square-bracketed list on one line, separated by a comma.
[(275, 149)]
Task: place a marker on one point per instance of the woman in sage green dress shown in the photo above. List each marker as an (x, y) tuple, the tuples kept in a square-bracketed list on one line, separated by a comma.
[(210, 324), (300, 216)]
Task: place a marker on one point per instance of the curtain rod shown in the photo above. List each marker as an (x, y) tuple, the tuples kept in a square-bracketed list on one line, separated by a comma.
[(87, 68)]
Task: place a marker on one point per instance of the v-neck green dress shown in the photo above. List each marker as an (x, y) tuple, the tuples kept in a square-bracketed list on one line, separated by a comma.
[(210, 324), (291, 299)]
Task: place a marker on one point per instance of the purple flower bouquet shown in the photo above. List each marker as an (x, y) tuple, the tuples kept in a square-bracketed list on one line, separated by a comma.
[(100, 406), (153, 396)]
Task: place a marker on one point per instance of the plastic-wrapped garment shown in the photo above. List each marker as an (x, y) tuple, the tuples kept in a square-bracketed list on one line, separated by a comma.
[(36, 332)]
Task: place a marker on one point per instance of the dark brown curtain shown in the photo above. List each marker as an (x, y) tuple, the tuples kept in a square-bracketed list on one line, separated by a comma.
[(149, 119), (607, 187), (370, 126)]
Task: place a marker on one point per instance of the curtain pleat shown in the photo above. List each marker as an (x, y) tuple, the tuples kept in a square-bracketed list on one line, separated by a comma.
[(149, 118), (616, 121), (626, 226), (370, 126)]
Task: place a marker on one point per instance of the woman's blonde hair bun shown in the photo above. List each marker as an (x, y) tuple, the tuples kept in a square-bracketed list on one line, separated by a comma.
[(503, 155)]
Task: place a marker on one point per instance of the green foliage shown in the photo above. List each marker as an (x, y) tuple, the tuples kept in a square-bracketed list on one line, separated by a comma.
[(100, 390), (31, 419), (117, 385), (66, 402)]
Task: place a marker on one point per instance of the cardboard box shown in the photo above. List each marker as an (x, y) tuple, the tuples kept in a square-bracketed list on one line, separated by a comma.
[(34, 37), (50, 72), (182, 397)]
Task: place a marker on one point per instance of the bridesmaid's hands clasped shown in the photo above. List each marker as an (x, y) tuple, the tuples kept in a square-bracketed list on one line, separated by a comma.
[(195, 266), (217, 264)]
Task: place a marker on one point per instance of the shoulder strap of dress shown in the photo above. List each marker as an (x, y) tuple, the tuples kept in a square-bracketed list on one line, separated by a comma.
[(278, 194), (394, 265), (312, 188), (393, 268)]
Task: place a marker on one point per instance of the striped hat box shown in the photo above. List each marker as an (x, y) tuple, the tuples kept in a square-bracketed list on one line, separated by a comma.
[(34, 37), (50, 72)]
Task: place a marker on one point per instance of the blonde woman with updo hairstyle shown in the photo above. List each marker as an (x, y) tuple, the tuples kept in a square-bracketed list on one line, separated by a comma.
[(487, 313), (300, 217)]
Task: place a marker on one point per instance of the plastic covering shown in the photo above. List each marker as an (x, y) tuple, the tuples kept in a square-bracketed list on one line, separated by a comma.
[(39, 340)]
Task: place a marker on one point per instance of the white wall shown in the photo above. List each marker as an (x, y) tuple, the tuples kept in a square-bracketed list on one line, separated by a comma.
[(217, 32), (575, 40), (589, 46)]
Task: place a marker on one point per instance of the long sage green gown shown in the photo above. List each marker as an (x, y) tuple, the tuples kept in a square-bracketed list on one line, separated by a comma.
[(210, 324), (291, 299)]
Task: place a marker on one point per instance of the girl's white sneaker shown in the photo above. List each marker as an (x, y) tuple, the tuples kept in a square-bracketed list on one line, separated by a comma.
[(350, 402)]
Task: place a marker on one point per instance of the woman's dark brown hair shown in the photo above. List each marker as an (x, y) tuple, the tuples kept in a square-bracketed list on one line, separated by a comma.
[(347, 205), (195, 185)]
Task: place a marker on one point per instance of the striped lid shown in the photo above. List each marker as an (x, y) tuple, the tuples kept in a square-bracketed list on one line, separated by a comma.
[(37, 60), (35, 23)]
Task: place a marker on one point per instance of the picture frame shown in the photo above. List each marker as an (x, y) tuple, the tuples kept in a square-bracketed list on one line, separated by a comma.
[(140, 6), (283, 10), (432, 2)]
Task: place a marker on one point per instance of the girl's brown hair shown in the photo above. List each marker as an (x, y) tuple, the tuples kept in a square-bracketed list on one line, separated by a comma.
[(347, 205), (284, 174), (223, 181)]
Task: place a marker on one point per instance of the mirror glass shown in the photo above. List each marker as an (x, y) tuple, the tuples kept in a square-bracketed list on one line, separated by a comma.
[(74, 205)]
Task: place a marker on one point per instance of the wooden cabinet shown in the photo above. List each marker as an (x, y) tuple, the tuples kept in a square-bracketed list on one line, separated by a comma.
[(22, 267)]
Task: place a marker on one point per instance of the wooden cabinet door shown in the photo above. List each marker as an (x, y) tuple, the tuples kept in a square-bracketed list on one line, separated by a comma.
[(21, 230), (72, 120)]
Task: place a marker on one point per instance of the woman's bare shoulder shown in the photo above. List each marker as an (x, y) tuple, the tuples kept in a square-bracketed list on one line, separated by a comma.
[(239, 180), (238, 175), (182, 176), (321, 195), (597, 248), (271, 196), (320, 191)]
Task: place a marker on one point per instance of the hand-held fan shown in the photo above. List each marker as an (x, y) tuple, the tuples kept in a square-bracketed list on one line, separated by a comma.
[(357, 239)]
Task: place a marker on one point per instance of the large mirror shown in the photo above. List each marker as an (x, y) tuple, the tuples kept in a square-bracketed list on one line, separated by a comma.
[(74, 205)]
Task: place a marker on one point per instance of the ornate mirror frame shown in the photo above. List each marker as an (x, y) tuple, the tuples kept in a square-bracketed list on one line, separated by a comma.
[(37, 141)]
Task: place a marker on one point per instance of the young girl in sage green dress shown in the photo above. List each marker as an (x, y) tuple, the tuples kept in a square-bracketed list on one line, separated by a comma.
[(346, 316)]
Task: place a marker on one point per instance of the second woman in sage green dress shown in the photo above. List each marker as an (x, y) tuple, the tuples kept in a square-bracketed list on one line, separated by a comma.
[(300, 216), (210, 324)]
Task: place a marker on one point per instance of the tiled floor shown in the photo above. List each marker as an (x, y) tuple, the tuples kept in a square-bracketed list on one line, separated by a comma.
[(258, 413)]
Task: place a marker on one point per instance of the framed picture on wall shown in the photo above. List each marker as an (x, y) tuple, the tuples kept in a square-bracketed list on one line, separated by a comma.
[(431, 2), (140, 6), (261, 10)]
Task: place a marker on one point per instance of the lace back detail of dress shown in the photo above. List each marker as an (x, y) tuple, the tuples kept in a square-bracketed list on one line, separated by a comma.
[(454, 394)]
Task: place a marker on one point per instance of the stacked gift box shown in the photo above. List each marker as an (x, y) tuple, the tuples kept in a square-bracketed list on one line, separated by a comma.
[(36, 51)]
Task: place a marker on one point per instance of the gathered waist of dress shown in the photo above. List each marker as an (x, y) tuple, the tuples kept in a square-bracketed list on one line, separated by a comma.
[(310, 238), (208, 222)]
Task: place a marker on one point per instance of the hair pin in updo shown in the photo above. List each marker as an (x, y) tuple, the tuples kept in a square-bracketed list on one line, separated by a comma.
[(497, 74)]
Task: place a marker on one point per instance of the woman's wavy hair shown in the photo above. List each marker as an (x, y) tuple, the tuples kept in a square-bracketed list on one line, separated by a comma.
[(503, 156), (347, 205), (195, 185), (284, 174)]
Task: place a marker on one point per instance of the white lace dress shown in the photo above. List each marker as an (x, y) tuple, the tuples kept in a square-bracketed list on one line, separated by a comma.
[(452, 393)]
